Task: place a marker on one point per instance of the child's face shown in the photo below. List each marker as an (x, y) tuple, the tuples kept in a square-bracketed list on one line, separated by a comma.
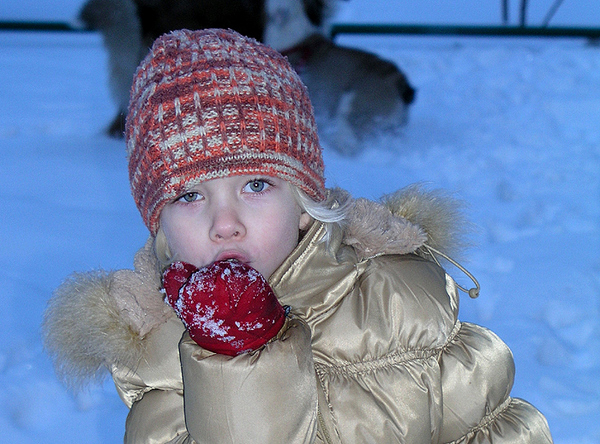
[(254, 219)]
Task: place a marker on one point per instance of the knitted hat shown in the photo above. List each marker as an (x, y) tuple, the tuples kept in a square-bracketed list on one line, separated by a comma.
[(212, 103)]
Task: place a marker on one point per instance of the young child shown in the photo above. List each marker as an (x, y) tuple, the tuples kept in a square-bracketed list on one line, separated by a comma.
[(293, 314)]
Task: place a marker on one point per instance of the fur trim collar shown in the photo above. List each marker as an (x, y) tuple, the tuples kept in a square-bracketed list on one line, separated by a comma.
[(403, 222), (99, 319)]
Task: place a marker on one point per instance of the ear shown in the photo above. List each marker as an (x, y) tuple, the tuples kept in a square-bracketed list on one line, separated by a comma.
[(305, 221)]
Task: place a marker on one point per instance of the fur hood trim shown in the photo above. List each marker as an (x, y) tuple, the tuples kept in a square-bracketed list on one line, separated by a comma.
[(405, 221), (99, 319)]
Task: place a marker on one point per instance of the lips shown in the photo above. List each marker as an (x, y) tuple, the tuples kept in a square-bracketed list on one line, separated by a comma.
[(233, 254)]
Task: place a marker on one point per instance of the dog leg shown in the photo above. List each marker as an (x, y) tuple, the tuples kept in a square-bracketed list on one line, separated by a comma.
[(119, 24), (339, 133)]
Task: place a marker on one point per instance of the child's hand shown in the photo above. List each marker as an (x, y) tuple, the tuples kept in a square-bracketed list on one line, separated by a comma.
[(228, 307)]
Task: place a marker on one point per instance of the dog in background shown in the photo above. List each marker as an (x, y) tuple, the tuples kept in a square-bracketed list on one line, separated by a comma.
[(119, 24), (128, 28), (356, 94)]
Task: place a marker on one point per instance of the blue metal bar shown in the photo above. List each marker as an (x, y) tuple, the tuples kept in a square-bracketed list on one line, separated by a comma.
[(350, 28), (37, 26), (459, 30)]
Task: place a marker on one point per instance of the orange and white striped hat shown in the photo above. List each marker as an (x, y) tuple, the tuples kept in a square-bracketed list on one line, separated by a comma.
[(212, 103)]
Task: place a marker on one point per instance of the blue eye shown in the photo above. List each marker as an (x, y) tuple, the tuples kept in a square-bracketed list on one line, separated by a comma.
[(189, 197), (256, 186)]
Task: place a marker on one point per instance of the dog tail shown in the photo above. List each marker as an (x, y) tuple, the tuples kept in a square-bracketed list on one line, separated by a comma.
[(407, 92), (387, 69)]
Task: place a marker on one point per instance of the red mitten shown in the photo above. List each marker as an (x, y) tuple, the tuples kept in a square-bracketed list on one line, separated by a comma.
[(228, 307)]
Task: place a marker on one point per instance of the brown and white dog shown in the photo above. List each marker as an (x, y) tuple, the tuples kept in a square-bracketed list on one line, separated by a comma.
[(129, 27), (356, 94)]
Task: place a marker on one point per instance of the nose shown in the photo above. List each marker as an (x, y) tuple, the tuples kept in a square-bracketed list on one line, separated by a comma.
[(226, 224)]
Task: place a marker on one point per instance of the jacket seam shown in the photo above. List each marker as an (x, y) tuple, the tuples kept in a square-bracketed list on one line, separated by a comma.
[(452, 336), (488, 419), (370, 366), (314, 240), (386, 361)]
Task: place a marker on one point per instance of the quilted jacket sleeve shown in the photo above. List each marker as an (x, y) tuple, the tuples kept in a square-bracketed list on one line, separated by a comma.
[(268, 396), (157, 417), (469, 376), (477, 373), (153, 391)]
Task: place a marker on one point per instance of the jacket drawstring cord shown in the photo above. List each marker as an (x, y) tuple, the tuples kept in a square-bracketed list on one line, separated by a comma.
[(472, 292)]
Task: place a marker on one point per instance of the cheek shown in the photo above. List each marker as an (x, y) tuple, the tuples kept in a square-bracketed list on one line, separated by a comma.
[(183, 240), (284, 231)]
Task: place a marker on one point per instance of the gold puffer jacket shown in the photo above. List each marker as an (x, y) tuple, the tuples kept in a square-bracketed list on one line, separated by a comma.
[(372, 351)]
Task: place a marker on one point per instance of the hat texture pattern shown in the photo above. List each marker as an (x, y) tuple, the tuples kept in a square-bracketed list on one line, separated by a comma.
[(210, 104)]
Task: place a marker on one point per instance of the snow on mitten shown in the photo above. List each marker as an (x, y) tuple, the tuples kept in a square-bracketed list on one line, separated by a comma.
[(228, 307)]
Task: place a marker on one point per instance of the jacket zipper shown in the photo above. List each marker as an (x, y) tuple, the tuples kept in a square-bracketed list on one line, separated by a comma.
[(326, 436)]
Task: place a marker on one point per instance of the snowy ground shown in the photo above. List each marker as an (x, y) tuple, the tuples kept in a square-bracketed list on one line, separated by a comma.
[(511, 126)]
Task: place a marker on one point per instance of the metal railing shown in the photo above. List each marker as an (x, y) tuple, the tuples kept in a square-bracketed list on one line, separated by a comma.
[(379, 28), (465, 30), (503, 30), (544, 30), (9, 25)]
